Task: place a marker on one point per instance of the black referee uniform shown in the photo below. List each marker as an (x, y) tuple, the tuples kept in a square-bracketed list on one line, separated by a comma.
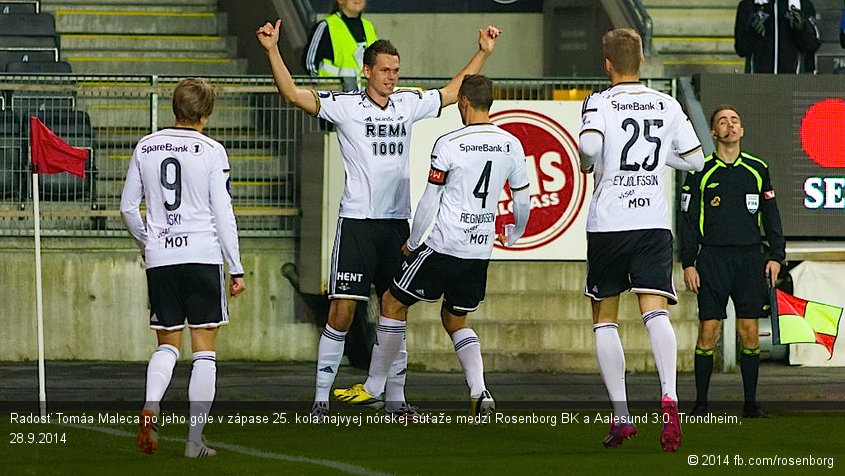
[(722, 209)]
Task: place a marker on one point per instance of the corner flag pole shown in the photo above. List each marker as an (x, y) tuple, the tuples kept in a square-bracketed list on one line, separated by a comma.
[(39, 308)]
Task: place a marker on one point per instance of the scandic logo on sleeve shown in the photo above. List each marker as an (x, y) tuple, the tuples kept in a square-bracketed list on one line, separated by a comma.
[(557, 186)]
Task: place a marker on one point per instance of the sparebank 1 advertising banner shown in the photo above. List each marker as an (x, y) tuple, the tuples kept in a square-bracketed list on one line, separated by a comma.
[(560, 193)]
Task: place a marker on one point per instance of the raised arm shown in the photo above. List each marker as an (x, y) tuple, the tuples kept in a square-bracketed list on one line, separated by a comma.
[(305, 99), (486, 43)]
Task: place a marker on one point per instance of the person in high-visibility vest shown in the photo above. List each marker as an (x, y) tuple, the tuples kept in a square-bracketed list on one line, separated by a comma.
[(338, 42)]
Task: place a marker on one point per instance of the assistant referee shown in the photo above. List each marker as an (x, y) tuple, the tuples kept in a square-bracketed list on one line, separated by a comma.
[(722, 208)]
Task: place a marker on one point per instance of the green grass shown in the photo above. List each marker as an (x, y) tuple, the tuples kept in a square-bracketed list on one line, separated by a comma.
[(572, 448)]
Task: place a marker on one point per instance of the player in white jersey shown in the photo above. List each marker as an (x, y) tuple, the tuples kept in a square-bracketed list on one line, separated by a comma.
[(183, 177), (629, 133), (469, 168), (374, 130)]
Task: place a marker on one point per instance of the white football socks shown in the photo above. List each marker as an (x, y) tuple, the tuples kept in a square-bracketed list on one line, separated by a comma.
[(159, 373), (468, 349), (611, 358), (329, 354), (201, 391), (394, 389), (665, 350), (390, 334)]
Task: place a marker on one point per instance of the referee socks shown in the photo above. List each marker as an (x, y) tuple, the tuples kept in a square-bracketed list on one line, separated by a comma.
[(703, 370)]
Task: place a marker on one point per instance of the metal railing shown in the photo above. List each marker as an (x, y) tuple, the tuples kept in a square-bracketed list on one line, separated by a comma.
[(109, 114), (642, 21)]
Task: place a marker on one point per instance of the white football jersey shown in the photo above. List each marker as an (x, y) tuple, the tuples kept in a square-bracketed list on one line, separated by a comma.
[(375, 145), (183, 177), (640, 127), (472, 164)]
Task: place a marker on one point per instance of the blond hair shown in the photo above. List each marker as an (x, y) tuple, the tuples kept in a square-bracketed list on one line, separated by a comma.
[(624, 48), (193, 99)]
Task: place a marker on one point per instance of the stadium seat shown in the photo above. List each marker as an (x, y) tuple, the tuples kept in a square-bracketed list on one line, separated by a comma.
[(38, 67), (21, 42), (27, 24), (12, 166), (20, 6), (67, 187), (74, 127), (23, 56)]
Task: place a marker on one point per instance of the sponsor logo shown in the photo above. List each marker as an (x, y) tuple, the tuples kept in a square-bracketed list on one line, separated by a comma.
[(658, 106), (821, 136), (327, 369), (752, 202), (769, 194), (347, 276), (168, 147), (481, 147), (717, 200), (558, 188)]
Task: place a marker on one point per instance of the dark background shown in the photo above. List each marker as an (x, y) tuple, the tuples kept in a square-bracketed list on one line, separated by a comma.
[(771, 108)]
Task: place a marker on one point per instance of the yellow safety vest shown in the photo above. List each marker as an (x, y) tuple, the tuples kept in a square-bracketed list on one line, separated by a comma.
[(348, 54)]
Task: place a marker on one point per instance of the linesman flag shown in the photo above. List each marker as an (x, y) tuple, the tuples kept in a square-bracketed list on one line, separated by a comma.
[(52, 155), (798, 321)]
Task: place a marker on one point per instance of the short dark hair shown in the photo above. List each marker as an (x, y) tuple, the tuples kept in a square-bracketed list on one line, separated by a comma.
[(379, 47), (193, 99), (624, 48), (478, 89), (721, 108)]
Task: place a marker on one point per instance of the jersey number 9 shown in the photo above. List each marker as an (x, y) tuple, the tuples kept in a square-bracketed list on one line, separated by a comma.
[(175, 184)]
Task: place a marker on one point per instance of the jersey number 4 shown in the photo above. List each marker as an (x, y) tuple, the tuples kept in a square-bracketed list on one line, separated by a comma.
[(635, 135), (175, 185), (480, 191)]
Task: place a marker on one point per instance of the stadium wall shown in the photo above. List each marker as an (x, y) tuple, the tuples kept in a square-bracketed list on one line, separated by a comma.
[(95, 303), (534, 318), (440, 44)]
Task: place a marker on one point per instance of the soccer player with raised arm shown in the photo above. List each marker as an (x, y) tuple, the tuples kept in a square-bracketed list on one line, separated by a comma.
[(374, 131), (469, 168), (183, 177), (628, 135)]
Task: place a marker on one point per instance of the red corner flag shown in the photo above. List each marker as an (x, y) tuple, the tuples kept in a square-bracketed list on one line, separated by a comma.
[(52, 155)]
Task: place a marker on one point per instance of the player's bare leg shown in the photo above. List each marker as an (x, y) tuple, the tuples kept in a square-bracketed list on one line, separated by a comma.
[(705, 346), (749, 364), (159, 373), (611, 360), (655, 312)]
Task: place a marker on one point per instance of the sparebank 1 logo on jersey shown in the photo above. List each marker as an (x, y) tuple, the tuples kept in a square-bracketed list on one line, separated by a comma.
[(557, 187)]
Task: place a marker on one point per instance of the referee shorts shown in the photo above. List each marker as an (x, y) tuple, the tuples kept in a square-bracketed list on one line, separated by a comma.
[(737, 272)]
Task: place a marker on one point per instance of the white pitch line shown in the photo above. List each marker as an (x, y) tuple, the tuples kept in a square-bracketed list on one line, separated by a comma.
[(346, 467)]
